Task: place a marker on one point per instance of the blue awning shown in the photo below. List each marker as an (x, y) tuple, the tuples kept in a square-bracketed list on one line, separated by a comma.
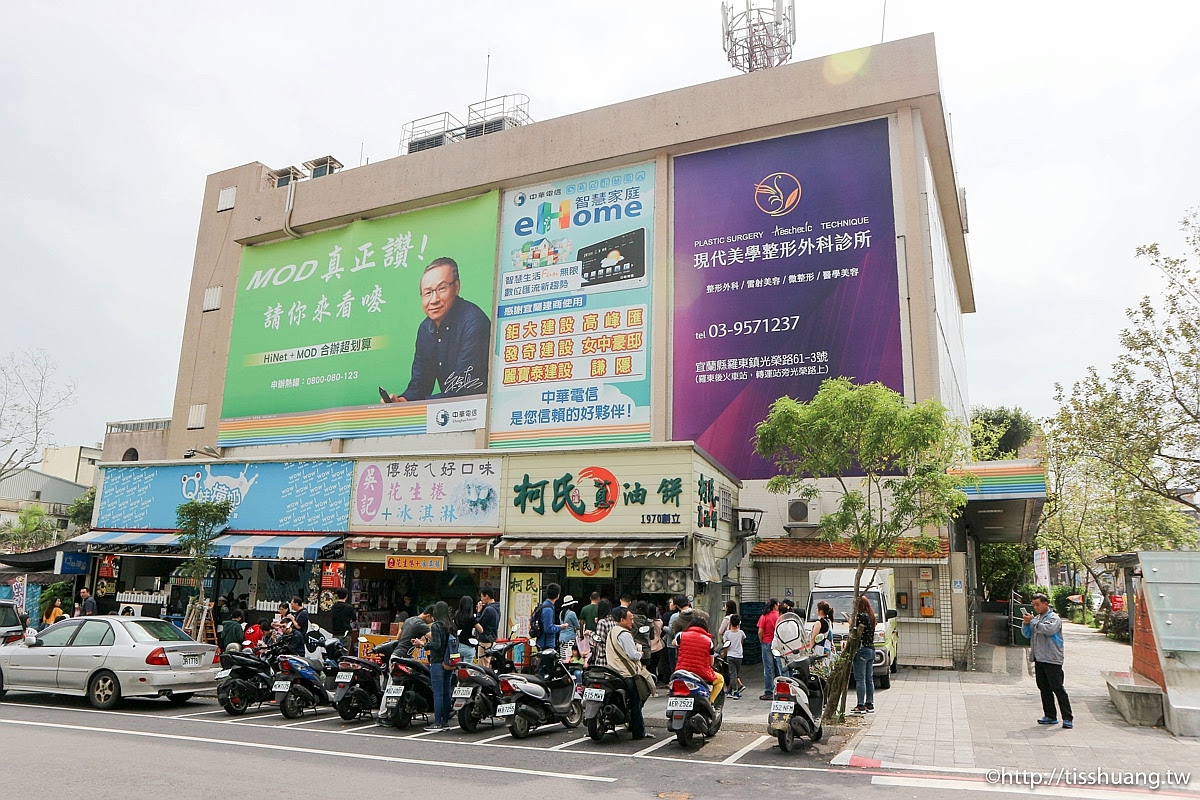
[(154, 538), (285, 547)]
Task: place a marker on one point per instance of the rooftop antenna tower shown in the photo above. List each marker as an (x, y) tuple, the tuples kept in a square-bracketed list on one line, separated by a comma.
[(758, 34)]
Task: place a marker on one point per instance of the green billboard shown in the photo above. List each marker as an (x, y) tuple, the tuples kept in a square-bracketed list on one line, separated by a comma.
[(361, 323)]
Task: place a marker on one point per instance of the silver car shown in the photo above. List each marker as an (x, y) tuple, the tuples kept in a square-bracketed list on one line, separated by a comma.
[(107, 658)]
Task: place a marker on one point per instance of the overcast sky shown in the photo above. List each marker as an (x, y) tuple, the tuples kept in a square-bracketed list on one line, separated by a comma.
[(1075, 130)]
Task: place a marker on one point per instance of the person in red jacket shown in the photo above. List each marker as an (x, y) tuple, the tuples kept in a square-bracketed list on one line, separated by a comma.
[(695, 656)]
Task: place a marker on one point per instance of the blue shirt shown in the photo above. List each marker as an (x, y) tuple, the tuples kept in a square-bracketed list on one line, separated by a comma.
[(454, 355), (549, 638)]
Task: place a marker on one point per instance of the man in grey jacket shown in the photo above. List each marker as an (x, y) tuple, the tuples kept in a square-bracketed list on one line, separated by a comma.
[(1044, 629)]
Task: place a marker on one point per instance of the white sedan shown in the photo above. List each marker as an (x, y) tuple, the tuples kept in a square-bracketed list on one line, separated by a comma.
[(107, 658)]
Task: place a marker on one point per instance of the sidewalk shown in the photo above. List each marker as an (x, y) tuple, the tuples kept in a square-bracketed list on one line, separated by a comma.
[(987, 718)]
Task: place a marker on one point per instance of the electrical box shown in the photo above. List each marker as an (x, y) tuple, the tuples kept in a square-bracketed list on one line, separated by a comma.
[(926, 604)]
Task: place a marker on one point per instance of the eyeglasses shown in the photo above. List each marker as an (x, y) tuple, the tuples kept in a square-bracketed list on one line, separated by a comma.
[(441, 290)]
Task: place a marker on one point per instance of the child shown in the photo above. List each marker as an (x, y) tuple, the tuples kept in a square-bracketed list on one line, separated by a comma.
[(735, 636), (575, 663)]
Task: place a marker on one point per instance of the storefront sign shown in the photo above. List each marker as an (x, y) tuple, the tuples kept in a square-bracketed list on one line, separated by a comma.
[(590, 494), (706, 502), (417, 563), (415, 494), (573, 316), (1118, 602), (1041, 567), (72, 563), (330, 322), (589, 567), (524, 594), (333, 575), (784, 278), (110, 567), (18, 590), (267, 496)]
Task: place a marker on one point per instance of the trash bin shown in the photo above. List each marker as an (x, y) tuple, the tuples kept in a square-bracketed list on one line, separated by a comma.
[(751, 651), (1015, 624)]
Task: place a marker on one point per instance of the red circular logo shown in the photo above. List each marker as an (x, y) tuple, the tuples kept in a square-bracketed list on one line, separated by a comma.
[(605, 496)]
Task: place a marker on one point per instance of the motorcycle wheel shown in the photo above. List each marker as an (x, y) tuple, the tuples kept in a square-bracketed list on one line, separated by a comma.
[(402, 719), (519, 727), (290, 706), (467, 719), (235, 703), (595, 728), (348, 709), (716, 727), (787, 739), (819, 732), (684, 736), (574, 716)]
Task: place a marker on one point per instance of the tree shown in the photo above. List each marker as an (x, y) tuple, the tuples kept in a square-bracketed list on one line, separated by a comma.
[(1003, 567), (199, 524), (1143, 422), (1094, 510), (80, 510), (998, 433), (31, 531), (30, 394), (897, 469)]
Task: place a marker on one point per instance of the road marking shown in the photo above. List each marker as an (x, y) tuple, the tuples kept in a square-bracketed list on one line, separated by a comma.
[(424, 733), (565, 745), (666, 741), (363, 728), (196, 714), (316, 752), (305, 722), (494, 739), (733, 758)]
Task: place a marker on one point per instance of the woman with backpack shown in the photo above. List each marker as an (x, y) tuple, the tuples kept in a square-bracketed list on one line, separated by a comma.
[(442, 641), (468, 627)]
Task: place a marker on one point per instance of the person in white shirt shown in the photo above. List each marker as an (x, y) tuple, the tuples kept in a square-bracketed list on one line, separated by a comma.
[(733, 656)]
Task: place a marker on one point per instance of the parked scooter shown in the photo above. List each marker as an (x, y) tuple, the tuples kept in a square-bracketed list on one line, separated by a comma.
[(690, 710), (605, 699), (799, 698), (477, 695), (359, 683), (545, 697), (247, 679), (301, 682), (409, 692)]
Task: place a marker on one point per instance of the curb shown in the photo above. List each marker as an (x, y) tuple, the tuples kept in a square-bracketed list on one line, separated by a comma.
[(848, 758)]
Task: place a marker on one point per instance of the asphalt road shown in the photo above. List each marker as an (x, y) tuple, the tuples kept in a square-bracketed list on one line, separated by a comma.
[(59, 747)]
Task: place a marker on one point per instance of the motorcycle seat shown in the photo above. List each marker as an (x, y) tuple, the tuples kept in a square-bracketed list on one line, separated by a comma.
[(412, 663), (601, 673)]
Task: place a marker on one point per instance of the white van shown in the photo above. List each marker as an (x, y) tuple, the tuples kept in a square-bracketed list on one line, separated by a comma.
[(836, 587)]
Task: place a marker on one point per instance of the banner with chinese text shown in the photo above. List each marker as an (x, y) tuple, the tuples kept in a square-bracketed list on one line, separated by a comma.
[(329, 326), (573, 315), (783, 278), (421, 493)]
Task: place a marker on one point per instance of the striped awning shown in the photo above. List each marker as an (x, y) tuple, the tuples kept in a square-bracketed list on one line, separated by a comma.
[(407, 543), (642, 547), (147, 538), (276, 547)]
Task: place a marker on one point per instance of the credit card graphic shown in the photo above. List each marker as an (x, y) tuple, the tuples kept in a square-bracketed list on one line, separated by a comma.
[(615, 263)]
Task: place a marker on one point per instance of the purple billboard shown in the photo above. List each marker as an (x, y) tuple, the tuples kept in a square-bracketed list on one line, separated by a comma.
[(785, 275)]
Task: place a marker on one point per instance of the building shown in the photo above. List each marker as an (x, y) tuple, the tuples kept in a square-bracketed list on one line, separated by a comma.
[(76, 464), (30, 488), (136, 440), (643, 280)]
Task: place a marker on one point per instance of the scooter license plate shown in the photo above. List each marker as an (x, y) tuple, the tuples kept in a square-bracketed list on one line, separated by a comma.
[(344, 677), (593, 694), (281, 686), (782, 707), (506, 710), (462, 691), (393, 691), (223, 674), (681, 704)]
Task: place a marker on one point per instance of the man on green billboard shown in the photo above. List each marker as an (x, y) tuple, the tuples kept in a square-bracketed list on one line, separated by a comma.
[(453, 342)]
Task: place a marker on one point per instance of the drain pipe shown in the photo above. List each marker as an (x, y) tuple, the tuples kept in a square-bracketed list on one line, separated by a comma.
[(287, 211)]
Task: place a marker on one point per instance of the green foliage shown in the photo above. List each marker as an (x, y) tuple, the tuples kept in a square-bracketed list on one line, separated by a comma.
[(31, 531), (199, 524), (1028, 590), (1141, 422), (897, 468), (998, 433), (80, 510), (1059, 595), (1004, 567)]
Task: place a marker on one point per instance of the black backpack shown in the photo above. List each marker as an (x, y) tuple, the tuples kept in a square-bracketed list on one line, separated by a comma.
[(535, 622)]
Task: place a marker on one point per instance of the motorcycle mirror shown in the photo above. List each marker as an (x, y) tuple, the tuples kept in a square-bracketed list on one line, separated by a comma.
[(725, 645)]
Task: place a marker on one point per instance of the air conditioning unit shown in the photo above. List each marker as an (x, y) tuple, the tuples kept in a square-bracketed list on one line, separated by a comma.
[(803, 513), (427, 142), (477, 129), (748, 525)]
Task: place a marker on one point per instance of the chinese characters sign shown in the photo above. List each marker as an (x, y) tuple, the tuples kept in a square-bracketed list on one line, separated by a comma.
[(327, 321), (589, 567), (784, 279), (418, 494), (573, 316), (269, 496), (416, 563)]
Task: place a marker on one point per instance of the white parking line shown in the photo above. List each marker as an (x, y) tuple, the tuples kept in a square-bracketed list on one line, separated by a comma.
[(305, 722), (196, 714), (565, 745), (494, 739), (666, 741), (733, 758), (363, 728), (314, 751)]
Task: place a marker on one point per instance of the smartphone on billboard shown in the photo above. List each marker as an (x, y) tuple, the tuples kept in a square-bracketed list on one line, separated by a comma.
[(383, 393)]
